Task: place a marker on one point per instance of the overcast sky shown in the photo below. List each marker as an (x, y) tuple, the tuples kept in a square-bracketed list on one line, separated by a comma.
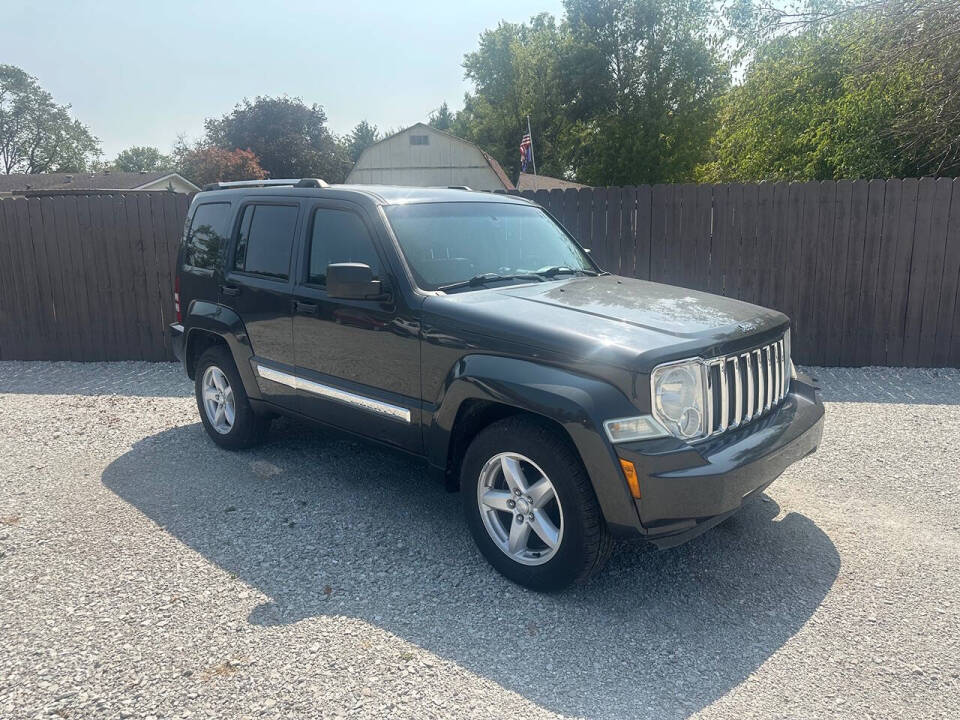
[(139, 73)]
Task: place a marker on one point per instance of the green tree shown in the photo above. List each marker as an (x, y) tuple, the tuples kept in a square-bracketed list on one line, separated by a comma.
[(442, 118), (649, 73), (518, 70), (140, 157), (859, 94), (619, 92), (289, 138), (360, 138), (36, 134), (923, 39)]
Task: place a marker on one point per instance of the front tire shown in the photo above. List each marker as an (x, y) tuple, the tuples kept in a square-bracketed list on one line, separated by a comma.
[(225, 411), (530, 506)]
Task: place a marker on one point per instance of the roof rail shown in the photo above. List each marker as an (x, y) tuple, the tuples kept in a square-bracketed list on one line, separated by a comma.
[(459, 187), (290, 182)]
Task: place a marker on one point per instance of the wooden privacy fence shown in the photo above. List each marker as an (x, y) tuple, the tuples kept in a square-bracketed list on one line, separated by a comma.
[(868, 271), (88, 277)]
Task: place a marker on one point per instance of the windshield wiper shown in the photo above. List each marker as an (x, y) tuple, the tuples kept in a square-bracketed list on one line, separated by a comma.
[(563, 270), (484, 278)]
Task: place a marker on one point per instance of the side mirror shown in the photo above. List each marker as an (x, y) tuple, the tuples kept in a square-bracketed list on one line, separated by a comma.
[(352, 281)]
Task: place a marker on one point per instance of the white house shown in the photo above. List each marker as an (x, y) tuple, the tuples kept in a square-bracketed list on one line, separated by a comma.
[(423, 156)]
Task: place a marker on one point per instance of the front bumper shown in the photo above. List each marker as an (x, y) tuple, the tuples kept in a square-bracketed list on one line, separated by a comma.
[(687, 489)]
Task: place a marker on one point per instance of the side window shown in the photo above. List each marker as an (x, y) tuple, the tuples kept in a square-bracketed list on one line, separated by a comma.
[(265, 240), (339, 236), (205, 235)]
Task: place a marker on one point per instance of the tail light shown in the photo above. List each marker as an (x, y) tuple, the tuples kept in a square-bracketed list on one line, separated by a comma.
[(176, 298)]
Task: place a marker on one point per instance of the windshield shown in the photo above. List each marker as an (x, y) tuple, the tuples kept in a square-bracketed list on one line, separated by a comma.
[(447, 244)]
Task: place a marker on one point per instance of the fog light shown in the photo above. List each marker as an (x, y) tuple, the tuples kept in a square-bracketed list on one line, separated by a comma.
[(642, 427), (630, 472)]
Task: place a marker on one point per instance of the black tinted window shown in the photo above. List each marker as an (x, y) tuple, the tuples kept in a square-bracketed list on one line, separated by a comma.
[(205, 235), (338, 237), (266, 237)]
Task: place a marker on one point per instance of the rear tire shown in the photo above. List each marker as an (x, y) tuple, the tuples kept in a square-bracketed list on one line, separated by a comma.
[(552, 533), (225, 410)]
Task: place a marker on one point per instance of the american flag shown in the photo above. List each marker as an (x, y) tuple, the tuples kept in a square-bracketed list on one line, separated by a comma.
[(526, 152)]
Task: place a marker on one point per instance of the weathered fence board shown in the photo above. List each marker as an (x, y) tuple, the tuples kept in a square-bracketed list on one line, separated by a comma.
[(869, 272), (88, 277), (945, 352)]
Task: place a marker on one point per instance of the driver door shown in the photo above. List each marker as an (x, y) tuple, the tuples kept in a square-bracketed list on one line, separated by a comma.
[(358, 361)]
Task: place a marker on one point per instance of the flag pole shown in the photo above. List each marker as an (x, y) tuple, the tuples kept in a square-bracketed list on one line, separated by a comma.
[(533, 157)]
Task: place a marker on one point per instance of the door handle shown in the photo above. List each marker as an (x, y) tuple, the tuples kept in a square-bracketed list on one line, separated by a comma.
[(307, 308), (230, 289)]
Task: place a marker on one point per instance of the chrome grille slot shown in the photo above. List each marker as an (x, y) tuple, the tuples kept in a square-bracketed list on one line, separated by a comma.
[(746, 386)]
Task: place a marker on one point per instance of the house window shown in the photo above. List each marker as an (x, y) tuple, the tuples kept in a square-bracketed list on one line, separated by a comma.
[(419, 139)]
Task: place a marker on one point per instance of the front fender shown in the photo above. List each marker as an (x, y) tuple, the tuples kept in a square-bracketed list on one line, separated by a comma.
[(208, 317), (577, 403)]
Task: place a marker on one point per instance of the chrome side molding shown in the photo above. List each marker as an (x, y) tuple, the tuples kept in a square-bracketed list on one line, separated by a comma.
[(394, 412)]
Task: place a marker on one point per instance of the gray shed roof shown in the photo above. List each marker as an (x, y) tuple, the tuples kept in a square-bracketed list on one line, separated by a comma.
[(102, 180)]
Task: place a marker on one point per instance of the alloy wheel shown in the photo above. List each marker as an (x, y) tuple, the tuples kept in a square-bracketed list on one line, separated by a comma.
[(218, 400), (520, 508)]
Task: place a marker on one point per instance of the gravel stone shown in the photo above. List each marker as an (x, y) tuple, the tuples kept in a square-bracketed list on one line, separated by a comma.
[(146, 573)]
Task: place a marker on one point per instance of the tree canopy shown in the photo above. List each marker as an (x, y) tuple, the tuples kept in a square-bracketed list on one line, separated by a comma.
[(518, 71), (442, 118), (629, 91), (360, 138), (288, 137), (36, 134), (140, 157), (618, 92), (861, 94), (203, 164)]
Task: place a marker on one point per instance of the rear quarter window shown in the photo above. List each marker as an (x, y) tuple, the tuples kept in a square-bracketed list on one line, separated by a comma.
[(205, 236)]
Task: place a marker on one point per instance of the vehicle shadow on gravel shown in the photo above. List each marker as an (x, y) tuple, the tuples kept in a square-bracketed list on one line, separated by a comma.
[(323, 525)]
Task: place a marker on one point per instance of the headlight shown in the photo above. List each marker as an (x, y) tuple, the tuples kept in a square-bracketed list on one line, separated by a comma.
[(679, 399)]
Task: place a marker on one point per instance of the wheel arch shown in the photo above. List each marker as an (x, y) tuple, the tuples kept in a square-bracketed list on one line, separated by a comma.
[(209, 324), (198, 342), (482, 389), (473, 415)]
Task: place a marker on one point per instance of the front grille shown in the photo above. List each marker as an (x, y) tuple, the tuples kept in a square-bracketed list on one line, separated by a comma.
[(746, 386)]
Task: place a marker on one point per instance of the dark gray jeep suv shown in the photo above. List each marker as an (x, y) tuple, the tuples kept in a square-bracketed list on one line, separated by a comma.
[(568, 405)]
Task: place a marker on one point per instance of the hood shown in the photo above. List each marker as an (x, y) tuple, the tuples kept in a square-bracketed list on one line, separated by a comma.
[(619, 320)]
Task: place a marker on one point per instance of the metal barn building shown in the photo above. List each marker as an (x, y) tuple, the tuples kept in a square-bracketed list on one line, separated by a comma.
[(423, 156)]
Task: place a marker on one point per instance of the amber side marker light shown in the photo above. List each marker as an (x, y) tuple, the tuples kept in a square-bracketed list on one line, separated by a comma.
[(630, 472)]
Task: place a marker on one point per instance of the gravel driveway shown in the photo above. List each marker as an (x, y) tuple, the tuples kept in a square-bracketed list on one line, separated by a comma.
[(146, 573)]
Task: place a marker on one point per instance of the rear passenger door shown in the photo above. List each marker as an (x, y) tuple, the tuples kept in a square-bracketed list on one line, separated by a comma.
[(257, 285)]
